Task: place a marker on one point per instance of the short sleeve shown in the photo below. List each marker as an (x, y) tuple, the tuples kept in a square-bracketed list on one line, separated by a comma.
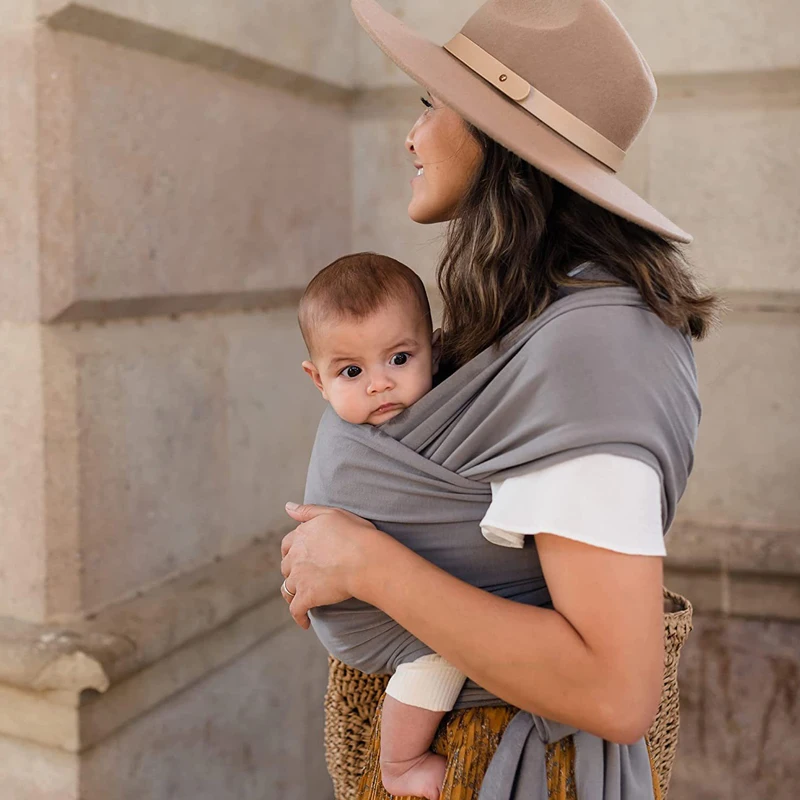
[(600, 499)]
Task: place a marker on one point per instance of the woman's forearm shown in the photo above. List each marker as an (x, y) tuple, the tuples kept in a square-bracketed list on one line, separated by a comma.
[(531, 657)]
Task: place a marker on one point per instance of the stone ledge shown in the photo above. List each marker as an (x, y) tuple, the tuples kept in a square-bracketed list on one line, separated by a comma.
[(171, 305), (737, 549), (75, 654), (74, 682), (736, 571), (87, 21)]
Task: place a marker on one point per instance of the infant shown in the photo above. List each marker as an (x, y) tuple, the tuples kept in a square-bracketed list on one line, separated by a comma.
[(366, 322)]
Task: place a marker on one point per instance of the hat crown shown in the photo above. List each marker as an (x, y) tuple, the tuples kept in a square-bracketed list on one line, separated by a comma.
[(575, 52)]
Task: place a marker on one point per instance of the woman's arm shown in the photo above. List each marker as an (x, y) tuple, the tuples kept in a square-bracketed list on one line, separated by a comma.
[(595, 662)]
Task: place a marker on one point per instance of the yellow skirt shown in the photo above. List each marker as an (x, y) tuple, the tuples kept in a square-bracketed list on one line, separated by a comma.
[(469, 739)]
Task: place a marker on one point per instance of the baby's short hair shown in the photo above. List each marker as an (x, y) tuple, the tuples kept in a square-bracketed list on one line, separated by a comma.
[(356, 286)]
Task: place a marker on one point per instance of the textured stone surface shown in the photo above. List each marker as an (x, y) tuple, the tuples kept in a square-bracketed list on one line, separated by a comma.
[(748, 449), (716, 36), (31, 772), (22, 553), (728, 176), (16, 13), (739, 733), (272, 31), (679, 37), (252, 727), (191, 434), (19, 286), (273, 410), (186, 182), (255, 725)]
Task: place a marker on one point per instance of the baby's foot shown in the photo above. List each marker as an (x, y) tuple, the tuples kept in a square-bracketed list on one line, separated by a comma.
[(422, 776)]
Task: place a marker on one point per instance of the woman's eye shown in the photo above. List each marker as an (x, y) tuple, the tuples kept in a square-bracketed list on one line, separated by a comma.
[(426, 103), (398, 359), (351, 371)]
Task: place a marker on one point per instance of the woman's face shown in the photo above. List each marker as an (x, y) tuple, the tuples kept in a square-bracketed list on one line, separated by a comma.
[(445, 156)]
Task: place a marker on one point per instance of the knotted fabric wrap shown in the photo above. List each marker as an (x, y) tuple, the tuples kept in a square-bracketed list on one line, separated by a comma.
[(597, 372), (603, 771)]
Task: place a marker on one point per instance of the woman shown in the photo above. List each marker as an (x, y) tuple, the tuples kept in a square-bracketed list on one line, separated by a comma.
[(529, 113)]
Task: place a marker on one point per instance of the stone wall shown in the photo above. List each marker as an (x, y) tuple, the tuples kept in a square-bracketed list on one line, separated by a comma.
[(173, 173)]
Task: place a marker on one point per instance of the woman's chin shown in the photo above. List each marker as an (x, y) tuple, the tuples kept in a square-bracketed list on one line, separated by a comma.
[(425, 215)]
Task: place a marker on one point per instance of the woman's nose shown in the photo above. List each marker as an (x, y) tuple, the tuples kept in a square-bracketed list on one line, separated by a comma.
[(410, 141)]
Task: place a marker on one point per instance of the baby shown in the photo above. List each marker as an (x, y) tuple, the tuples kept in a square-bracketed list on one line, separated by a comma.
[(366, 322)]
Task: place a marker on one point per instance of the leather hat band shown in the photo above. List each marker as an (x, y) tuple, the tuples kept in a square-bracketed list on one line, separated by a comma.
[(534, 102)]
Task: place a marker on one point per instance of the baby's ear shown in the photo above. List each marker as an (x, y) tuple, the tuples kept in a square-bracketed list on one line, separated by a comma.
[(313, 373), (436, 349)]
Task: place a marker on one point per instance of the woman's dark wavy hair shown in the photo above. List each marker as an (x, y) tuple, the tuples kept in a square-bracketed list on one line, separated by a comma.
[(518, 232)]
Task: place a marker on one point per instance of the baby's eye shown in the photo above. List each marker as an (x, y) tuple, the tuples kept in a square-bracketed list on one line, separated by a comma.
[(426, 103), (351, 372), (398, 359)]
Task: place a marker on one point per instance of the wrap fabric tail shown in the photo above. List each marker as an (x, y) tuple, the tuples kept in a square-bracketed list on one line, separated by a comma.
[(596, 372), (469, 740)]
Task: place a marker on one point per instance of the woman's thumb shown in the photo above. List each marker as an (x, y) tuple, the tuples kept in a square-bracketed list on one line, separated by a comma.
[(303, 513)]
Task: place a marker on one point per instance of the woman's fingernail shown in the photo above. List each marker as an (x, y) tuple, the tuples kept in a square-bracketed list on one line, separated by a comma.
[(292, 506)]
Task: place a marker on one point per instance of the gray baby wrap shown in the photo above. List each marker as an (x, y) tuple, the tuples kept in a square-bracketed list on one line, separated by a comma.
[(597, 372)]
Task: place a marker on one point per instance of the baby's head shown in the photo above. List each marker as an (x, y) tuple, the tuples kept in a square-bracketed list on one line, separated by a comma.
[(367, 325)]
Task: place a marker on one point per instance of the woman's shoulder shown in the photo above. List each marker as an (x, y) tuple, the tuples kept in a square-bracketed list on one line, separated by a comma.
[(604, 345), (605, 323)]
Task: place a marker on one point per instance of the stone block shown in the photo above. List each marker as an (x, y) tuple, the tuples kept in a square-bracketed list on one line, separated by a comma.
[(16, 13), (729, 175), (739, 736), (19, 285), (748, 449), (152, 453), (22, 442), (273, 410), (173, 441), (251, 730), (717, 36), (183, 183), (30, 771), (274, 32)]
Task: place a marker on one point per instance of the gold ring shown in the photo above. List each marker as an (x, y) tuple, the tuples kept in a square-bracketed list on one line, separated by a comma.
[(285, 588)]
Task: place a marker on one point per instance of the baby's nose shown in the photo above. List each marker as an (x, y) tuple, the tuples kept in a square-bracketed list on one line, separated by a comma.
[(379, 382)]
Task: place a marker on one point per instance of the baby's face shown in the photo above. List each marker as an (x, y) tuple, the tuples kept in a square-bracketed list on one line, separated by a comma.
[(370, 370)]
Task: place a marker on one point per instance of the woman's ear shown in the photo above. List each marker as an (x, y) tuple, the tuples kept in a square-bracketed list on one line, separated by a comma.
[(313, 373), (436, 349)]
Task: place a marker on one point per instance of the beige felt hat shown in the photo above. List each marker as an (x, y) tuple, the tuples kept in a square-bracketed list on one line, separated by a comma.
[(558, 82)]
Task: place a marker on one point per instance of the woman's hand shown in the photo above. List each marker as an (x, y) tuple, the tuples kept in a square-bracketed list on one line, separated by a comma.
[(321, 558)]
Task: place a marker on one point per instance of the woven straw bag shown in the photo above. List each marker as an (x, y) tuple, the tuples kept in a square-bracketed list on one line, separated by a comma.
[(352, 698)]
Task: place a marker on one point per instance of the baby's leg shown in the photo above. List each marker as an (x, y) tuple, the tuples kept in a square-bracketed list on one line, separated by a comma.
[(408, 767)]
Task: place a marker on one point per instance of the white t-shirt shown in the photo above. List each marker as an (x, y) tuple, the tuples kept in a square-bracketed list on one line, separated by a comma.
[(604, 500)]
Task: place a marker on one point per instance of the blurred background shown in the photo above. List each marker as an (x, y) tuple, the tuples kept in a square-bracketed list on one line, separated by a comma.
[(171, 175)]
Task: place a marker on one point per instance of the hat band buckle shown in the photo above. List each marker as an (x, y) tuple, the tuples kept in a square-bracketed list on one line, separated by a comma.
[(516, 88)]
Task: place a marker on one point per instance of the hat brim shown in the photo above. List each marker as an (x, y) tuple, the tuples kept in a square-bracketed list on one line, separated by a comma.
[(506, 122)]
